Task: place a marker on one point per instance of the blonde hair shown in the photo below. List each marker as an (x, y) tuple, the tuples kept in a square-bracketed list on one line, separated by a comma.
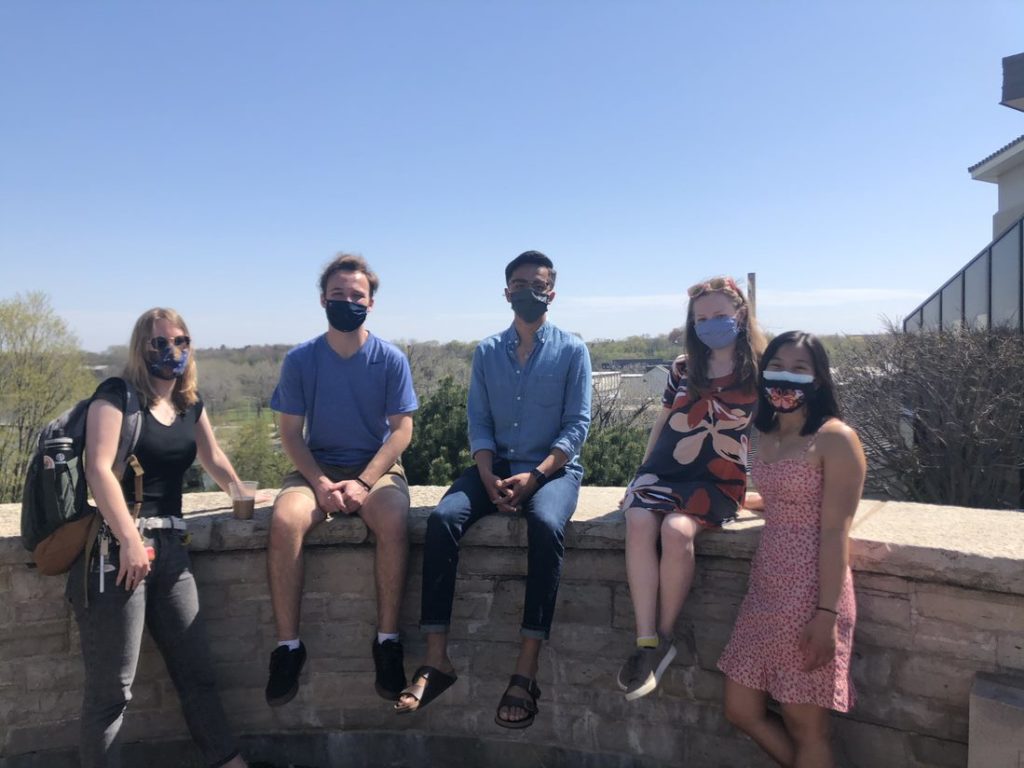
[(136, 370), (750, 343)]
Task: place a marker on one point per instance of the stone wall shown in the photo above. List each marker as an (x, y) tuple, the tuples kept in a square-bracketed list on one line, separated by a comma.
[(940, 597)]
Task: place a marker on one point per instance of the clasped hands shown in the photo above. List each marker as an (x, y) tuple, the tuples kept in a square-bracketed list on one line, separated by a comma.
[(345, 496), (509, 494)]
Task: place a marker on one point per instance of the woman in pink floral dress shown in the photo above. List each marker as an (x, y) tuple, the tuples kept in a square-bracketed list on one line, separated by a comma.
[(793, 636)]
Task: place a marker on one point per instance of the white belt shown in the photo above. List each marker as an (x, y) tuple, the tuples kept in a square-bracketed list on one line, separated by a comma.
[(160, 523)]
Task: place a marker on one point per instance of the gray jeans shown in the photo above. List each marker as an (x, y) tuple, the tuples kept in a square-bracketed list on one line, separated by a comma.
[(111, 631)]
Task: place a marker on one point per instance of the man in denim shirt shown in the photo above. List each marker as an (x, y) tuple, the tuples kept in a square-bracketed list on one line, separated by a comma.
[(529, 411)]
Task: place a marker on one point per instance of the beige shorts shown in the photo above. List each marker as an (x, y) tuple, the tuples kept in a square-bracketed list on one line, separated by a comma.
[(294, 482)]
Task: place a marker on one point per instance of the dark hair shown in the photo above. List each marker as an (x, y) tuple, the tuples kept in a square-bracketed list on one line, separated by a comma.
[(749, 343), (349, 262), (821, 403), (530, 257)]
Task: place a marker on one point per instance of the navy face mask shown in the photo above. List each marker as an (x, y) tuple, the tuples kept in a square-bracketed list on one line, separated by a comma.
[(528, 304), (345, 316), (165, 366)]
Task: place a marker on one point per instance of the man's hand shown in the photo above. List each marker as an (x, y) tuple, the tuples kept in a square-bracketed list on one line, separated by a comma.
[(496, 491), (329, 497), (353, 496), (519, 488)]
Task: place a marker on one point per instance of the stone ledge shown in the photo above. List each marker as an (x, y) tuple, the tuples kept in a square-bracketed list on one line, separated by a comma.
[(970, 548)]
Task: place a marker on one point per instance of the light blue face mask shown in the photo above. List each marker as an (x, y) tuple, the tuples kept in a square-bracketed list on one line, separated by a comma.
[(787, 376), (717, 332)]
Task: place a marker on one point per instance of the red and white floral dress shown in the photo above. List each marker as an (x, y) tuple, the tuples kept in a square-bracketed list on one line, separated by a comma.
[(782, 595)]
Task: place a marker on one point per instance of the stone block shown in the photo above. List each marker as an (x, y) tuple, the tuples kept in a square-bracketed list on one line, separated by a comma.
[(996, 722), (955, 639), (881, 635), (40, 638), (40, 736), (594, 565), (932, 752), (1010, 652), (981, 610), (584, 602), (209, 569), (490, 561), (880, 583), (28, 585), (947, 680), (56, 674), (872, 667), (883, 608), (867, 745)]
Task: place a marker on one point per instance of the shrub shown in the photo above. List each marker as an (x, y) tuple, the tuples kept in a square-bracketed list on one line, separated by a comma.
[(939, 414)]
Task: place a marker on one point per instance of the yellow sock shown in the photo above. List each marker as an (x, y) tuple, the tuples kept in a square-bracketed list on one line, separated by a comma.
[(647, 642)]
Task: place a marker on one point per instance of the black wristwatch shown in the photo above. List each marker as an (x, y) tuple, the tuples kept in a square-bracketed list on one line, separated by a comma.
[(539, 476)]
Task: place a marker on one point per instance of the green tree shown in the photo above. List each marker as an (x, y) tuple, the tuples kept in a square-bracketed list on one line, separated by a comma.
[(41, 373), (440, 444), (611, 454), (255, 455)]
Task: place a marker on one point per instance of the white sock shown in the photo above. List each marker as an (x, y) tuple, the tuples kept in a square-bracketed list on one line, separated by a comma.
[(382, 636), (291, 645)]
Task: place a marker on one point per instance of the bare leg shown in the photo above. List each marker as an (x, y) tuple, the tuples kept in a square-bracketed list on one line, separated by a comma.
[(526, 665), (294, 515), (745, 708), (386, 513), (808, 724), (676, 569), (642, 531)]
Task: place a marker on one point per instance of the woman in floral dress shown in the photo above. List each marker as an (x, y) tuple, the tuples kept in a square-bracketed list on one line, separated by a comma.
[(693, 476), (793, 636)]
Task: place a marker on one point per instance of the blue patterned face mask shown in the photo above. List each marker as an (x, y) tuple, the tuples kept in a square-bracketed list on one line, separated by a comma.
[(166, 366), (717, 332)]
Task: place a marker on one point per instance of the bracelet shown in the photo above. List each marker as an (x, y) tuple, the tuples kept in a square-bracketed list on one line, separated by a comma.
[(828, 610), (363, 483)]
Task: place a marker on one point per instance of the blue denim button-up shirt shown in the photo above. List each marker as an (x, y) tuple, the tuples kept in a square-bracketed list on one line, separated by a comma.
[(521, 412)]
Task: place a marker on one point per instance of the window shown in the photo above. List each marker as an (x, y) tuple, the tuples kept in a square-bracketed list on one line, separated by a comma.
[(1006, 280), (953, 303), (930, 314), (976, 293)]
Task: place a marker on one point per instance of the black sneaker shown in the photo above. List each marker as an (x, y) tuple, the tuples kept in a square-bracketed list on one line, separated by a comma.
[(388, 661), (285, 666)]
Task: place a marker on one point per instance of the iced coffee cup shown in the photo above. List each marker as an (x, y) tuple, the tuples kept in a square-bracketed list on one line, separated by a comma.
[(243, 498)]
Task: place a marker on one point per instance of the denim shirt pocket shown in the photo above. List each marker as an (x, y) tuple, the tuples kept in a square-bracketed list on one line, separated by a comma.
[(547, 390)]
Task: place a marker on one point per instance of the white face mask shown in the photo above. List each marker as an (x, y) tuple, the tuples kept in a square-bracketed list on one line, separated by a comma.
[(789, 377)]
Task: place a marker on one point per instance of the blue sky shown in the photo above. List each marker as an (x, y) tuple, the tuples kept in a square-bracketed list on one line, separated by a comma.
[(212, 156)]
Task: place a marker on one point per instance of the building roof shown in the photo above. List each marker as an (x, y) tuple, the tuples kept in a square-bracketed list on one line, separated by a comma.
[(983, 169)]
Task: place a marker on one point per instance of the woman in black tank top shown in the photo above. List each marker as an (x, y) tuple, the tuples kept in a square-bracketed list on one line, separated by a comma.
[(144, 577)]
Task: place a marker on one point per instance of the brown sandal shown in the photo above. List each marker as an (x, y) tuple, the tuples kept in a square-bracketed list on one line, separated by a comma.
[(511, 700)]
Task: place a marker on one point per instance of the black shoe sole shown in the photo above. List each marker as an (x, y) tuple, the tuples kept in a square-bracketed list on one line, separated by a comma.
[(282, 700)]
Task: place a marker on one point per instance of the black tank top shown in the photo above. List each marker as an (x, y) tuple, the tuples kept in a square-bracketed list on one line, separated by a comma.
[(165, 453)]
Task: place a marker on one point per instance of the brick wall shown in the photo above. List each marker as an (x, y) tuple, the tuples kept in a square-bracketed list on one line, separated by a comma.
[(940, 597)]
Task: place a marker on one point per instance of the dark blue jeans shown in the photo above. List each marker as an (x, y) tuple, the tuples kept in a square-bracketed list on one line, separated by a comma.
[(547, 513), (111, 632)]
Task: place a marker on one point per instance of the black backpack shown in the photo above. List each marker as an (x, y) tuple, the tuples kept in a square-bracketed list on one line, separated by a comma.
[(57, 521)]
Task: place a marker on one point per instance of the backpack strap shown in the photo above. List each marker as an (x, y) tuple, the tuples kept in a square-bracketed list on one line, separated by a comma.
[(131, 429)]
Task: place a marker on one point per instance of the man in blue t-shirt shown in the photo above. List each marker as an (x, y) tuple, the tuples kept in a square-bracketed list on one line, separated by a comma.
[(345, 402), (529, 412)]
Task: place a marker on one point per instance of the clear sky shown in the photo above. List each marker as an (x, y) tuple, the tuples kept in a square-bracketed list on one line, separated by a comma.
[(213, 156)]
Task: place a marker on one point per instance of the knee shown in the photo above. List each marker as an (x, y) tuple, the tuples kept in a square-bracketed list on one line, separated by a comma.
[(740, 716), (641, 523), (676, 537), (443, 523), (290, 518), (808, 732)]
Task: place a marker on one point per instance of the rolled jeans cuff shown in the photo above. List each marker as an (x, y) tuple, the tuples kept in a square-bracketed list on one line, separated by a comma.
[(434, 628), (539, 634)]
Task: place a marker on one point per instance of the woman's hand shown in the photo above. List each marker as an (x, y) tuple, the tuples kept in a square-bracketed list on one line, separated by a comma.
[(134, 562), (818, 641)]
